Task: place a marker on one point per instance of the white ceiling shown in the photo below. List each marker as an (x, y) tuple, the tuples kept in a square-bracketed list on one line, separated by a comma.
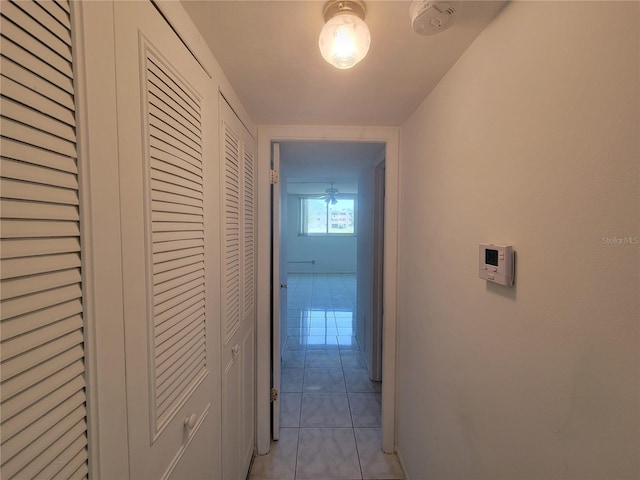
[(269, 52)]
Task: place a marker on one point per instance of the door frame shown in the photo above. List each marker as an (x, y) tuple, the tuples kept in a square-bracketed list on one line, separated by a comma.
[(390, 137)]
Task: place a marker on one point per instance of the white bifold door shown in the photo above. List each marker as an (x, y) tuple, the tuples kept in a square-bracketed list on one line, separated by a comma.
[(42, 372), (167, 128), (237, 189)]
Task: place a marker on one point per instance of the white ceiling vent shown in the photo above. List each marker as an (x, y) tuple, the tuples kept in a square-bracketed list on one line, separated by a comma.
[(429, 18)]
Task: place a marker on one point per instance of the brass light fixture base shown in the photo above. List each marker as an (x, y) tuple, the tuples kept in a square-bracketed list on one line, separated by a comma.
[(337, 7)]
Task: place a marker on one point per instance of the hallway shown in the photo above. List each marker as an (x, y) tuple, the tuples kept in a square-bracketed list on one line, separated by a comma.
[(330, 410)]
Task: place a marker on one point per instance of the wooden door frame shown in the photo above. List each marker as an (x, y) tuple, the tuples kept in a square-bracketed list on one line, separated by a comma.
[(266, 135)]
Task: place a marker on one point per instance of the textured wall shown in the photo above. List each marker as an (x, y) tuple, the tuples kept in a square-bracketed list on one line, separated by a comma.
[(531, 139)]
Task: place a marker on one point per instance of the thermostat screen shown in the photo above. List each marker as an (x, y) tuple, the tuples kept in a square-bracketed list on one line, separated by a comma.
[(491, 257)]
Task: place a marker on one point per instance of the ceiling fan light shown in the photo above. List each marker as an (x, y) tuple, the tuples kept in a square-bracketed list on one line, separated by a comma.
[(344, 40)]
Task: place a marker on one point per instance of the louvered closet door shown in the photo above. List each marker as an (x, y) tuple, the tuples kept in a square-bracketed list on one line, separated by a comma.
[(166, 110), (44, 424), (239, 314)]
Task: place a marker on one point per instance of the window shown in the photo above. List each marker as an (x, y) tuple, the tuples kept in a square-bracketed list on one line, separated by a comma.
[(319, 217)]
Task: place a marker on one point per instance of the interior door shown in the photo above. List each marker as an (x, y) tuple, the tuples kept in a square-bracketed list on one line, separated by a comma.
[(278, 293), (166, 112), (237, 180)]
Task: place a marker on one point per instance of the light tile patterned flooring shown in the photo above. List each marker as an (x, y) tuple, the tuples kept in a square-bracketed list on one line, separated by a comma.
[(329, 409)]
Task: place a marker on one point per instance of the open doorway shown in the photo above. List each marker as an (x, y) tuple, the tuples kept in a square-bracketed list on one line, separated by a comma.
[(327, 357), (331, 225), (382, 148), (325, 234)]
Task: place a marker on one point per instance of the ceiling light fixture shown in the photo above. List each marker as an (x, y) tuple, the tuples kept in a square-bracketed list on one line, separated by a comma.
[(345, 38)]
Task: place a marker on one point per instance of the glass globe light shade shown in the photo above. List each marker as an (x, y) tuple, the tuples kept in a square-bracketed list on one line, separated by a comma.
[(344, 40)]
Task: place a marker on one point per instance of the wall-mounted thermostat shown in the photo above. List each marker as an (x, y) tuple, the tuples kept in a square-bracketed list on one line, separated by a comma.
[(496, 263)]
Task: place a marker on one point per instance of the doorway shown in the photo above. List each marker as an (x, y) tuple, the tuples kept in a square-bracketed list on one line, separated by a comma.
[(388, 141)]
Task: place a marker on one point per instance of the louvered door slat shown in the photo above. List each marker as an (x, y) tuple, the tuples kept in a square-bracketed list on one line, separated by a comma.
[(21, 363), (19, 37), (178, 244), (59, 379), (46, 449), (171, 328), (17, 189), (174, 259), (193, 188), (25, 436), (171, 197), (173, 169), (43, 389), (165, 141), (165, 383), (75, 469), (16, 54), (166, 306), (24, 76), (35, 338), (182, 251), (25, 323), (29, 154), (24, 286), (27, 172), (177, 282), (63, 5), (27, 115), (12, 228), (170, 207), (16, 13), (32, 136), (23, 91), (41, 15), (26, 248), (21, 266), (47, 298), (172, 114), (188, 376), (158, 95), (159, 141), (180, 293), (174, 87), (177, 311), (178, 163), (33, 210), (55, 11), (175, 273), (165, 351), (173, 185), (171, 125), (159, 237)]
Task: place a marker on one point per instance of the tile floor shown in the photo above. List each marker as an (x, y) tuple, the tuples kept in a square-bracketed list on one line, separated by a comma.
[(330, 410)]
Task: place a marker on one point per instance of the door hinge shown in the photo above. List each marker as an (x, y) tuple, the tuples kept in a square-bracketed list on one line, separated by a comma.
[(273, 177), (274, 394)]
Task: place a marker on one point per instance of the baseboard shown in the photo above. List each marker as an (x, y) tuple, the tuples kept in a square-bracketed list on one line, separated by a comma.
[(404, 470)]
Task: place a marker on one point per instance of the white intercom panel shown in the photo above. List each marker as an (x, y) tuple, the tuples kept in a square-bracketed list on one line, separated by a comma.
[(496, 263)]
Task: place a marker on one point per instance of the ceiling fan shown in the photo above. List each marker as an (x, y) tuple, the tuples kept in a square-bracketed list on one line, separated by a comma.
[(331, 194)]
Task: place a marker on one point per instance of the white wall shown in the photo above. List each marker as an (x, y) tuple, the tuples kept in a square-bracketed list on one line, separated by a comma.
[(332, 254), (530, 139)]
